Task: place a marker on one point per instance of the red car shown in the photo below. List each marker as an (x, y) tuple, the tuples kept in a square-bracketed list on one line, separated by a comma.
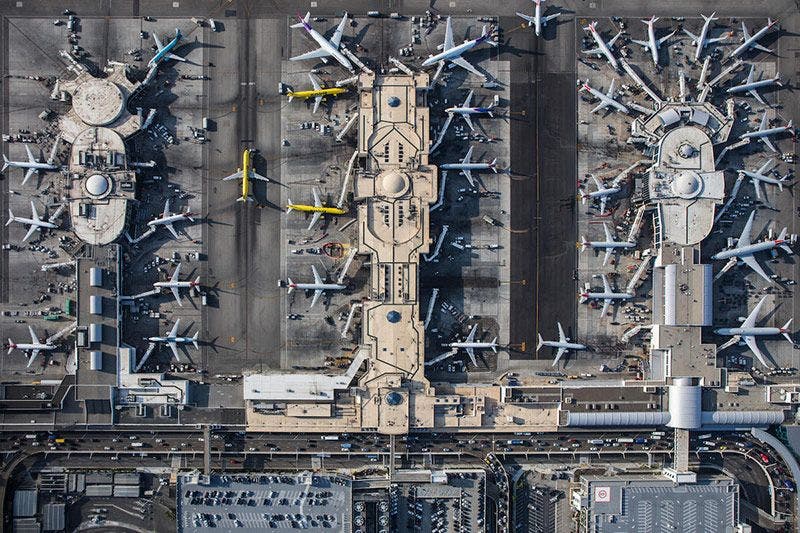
[(764, 458)]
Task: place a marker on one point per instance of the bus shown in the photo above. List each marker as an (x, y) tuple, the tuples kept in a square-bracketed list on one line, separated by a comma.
[(625, 441), (330, 437), (704, 437)]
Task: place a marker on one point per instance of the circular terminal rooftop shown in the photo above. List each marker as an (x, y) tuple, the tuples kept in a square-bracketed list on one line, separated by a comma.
[(97, 185), (394, 398), (393, 184), (686, 150), (687, 184), (393, 317), (98, 102)]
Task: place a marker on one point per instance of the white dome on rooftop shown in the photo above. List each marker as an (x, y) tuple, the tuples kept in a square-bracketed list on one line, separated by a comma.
[(394, 183), (687, 184), (686, 150), (97, 185)]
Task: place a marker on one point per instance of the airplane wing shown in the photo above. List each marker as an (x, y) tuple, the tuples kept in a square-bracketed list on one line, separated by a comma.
[(526, 17), (314, 82), (317, 201), (766, 167), (34, 213), (763, 125), (176, 275), (468, 100), (609, 237), (599, 106), (640, 43), (744, 238), (468, 174), (31, 159), (448, 36), (548, 18), (757, 187), (176, 293), (603, 200), (597, 182), (771, 146), (314, 219), (471, 336), (468, 121), (752, 262), (471, 354), (611, 41), (317, 294), (317, 101), (610, 91), (761, 48), (468, 157), (30, 172), (314, 54), (174, 347), (693, 37), (745, 33), (559, 353), (466, 65), (664, 38), (175, 58), (256, 176), (751, 343), (31, 230), (750, 74), (609, 251), (750, 321), (337, 35), (317, 279), (234, 176), (171, 229), (166, 212), (174, 331), (34, 338), (606, 305), (53, 151), (561, 336), (157, 40), (593, 51), (34, 353), (606, 286)]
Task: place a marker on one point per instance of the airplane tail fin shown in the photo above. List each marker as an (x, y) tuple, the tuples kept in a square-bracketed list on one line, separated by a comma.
[(196, 284), (493, 165), (290, 95), (540, 343), (494, 345), (178, 33), (11, 346), (778, 81), (584, 197), (785, 331), (10, 217), (291, 288), (584, 243), (485, 35), (194, 340), (290, 206), (303, 21), (709, 18), (5, 163)]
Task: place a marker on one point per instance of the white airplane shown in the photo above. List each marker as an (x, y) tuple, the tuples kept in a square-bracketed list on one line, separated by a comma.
[(465, 110), (763, 133), (602, 193), (606, 100), (452, 53), (750, 41), (165, 51), (34, 347), (603, 48), (33, 165), (319, 286), (759, 176), (562, 344), (652, 43), (537, 20), (751, 84), (748, 332), (167, 219), (466, 167), (744, 251), (327, 48), (470, 345), (174, 284), (607, 295), (609, 244), (703, 40), (34, 224), (172, 340)]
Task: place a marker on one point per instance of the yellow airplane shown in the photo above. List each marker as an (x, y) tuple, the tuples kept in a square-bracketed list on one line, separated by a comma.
[(246, 173), (318, 94), (318, 209)]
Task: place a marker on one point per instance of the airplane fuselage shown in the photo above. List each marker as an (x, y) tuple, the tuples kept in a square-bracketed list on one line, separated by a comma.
[(454, 52), (601, 44), (606, 296), (474, 345), (765, 133), (754, 85), (317, 286), (179, 340), (605, 99), (314, 209), (701, 41), (761, 177), (165, 51), (750, 249), (33, 164), (168, 220), (327, 46), (179, 284), (31, 222), (537, 19), (565, 345), (30, 347), (651, 41), (611, 244), (603, 192), (468, 110), (467, 166), (330, 91), (750, 332), (755, 37)]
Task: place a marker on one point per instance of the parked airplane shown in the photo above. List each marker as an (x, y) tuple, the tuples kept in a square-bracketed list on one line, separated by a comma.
[(319, 286), (602, 193), (465, 110), (751, 84), (172, 340), (606, 100), (165, 52), (466, 167), (318, 209), (562, 344), (759, 176), (34, 347), (748, 332), (763, 132), (750, 41), (167, 219), (703, 40), (34, 224), (744, 251), (174, 284), (452, 53), (652, 43), (470, 345), (607, 295), (609, 244), (327, 48), (33, 165), (603, 48), (318, 93), (537, 20), (246, 173)]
